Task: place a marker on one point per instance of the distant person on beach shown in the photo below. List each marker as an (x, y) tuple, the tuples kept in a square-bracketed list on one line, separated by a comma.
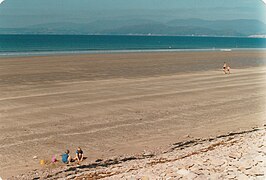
[(66, 157), (228, 69), (224, 67), (79, 155)]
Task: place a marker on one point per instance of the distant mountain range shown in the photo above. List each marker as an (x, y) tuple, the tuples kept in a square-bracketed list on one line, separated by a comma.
[(184, 27)]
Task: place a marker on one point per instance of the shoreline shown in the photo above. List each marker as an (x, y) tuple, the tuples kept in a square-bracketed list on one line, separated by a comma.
[(99, 52)]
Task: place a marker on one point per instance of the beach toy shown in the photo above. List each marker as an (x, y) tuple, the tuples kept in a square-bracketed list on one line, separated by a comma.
[(42, 162), (54, 159)]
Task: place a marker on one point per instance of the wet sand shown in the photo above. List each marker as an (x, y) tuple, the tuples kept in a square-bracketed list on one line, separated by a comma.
[(116, 104)]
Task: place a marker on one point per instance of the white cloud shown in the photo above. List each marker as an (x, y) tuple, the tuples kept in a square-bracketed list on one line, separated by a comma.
[(264, 1), (1, 1)]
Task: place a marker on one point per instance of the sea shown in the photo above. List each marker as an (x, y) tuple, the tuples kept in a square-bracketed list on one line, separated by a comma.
[(32, 45)]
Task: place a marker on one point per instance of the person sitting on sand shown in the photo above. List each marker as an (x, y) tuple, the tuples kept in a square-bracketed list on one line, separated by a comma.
[(66, 157), (79, 155), (224, 67)]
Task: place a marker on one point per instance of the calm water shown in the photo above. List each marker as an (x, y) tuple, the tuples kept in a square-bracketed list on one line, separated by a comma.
[(12, 45)]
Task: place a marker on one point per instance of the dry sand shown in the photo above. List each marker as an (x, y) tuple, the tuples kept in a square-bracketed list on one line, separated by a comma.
[(240, 155), (236, 155), (117, 104)]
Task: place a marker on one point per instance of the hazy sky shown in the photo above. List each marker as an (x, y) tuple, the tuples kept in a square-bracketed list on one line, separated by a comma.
[(21, 13)]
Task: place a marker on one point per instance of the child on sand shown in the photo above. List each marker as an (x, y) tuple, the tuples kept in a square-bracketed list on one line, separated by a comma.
[(79, 155), (66, 157)]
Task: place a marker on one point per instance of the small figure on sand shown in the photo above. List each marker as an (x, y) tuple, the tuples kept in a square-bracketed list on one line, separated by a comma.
[(66, 158), (226, 68), (79, 155)]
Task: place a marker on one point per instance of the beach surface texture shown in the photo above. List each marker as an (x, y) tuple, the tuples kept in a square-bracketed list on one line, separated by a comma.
[(236, 155), (125, 105)]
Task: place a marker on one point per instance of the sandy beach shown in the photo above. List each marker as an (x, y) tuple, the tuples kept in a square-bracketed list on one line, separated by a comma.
[(236, 155), (122, 104)]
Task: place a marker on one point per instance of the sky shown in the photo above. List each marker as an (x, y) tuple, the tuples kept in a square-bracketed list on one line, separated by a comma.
[(23, 13)]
